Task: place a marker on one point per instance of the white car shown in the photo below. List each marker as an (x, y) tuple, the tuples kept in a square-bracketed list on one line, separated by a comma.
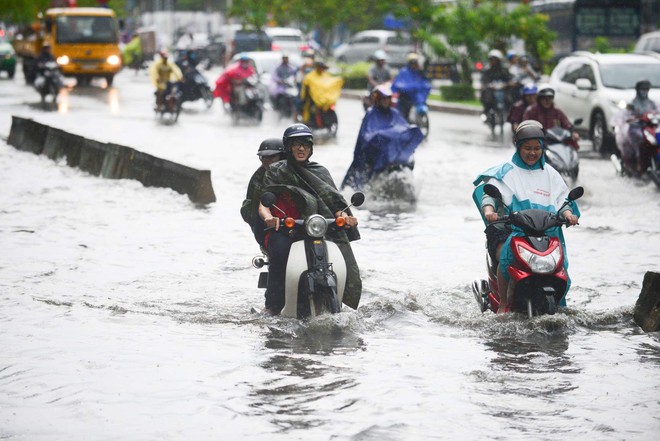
[(595, 87), (287, 40), (361, 47)]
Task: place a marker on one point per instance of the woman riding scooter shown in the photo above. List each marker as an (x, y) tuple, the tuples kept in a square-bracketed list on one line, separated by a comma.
[(525, 182)]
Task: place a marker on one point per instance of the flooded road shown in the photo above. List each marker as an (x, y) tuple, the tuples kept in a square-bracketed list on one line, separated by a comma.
[(126, 312)]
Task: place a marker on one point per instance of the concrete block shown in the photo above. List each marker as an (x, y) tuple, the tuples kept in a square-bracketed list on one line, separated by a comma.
[(112, 161), (28, 135), (647, 308), (61, 144)]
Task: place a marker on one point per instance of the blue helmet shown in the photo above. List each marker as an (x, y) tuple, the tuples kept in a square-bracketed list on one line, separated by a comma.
[(530, 89)]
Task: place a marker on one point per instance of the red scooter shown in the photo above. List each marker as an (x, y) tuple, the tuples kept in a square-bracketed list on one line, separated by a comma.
[(537, 272)]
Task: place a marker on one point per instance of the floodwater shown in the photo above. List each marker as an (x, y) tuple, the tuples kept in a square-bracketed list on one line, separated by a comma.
[(127, 312)]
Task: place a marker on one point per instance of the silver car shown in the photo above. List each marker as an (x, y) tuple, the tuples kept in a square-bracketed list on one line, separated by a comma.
[(361, 47), (595, 87)]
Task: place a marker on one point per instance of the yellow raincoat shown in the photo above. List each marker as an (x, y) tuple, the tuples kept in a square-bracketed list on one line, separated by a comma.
[(323, 89)]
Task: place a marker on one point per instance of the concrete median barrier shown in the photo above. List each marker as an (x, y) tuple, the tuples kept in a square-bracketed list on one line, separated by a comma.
[(647, 308), (112, 161)]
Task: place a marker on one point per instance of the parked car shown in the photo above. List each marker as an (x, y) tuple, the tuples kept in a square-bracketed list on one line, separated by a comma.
[(7, 57), (287, 40), (594, 87), (361, 47), (649, 42), (245, 40)]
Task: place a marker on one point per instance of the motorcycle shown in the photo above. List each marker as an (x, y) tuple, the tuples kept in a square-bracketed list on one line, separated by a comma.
[(171, 108), (318, 111), (315, 271), (195, 87), (410, 95), (284, 97), (646, 159), (495, 98), (247, 100), (537, 269), (561, 153), (48, 81), (383, 160)]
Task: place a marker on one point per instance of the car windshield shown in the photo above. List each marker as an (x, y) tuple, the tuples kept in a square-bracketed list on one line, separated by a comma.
[(624, 76), (86, 29)]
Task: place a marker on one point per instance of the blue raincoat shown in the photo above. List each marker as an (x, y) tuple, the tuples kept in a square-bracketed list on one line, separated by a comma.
[(525, 187), (413, 83), (385, 139)]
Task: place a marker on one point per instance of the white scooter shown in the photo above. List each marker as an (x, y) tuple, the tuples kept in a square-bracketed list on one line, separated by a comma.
[(315, 271)]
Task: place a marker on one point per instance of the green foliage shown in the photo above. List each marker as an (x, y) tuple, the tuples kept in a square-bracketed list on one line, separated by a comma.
[(465, 31), (457, 92), (355, 75), (21, 11), (602, 45)]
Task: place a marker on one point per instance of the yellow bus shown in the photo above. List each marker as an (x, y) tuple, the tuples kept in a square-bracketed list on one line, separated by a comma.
[(85, 42)]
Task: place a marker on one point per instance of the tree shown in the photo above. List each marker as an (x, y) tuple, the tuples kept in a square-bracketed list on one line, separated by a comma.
[(466, 30), (21, 11)]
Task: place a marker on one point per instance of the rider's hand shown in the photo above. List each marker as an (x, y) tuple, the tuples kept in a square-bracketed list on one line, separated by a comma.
[(575, 136), (570, 218), (272, 222), (490, 214), (491, 217), (350, 220)]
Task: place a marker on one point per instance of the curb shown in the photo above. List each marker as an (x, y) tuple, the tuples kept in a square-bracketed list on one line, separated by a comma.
[(437, 106)]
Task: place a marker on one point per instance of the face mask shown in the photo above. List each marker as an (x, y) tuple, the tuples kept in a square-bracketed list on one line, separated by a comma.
[(643, 94)]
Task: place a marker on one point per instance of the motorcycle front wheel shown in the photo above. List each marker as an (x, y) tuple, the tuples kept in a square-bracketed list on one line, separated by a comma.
[(331, 122), (422, 121), (324, 301)]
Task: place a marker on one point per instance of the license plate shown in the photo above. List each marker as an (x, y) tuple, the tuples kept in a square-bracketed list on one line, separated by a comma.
[(88, 66)]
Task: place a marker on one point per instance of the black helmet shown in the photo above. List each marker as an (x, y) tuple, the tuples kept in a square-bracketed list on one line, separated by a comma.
[(270, 146), (547, 91), (528, 129), (642, 84), (297, 131)]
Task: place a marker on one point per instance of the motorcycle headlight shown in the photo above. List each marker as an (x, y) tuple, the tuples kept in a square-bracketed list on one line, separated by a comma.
[(113, 60), (316, 226), (540, 264), (63, 60)]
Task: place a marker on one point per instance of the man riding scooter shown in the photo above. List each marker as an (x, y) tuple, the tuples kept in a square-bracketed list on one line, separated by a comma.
[(545, 112), (632, 155), (385, 139), (412, 86), (163, 73)]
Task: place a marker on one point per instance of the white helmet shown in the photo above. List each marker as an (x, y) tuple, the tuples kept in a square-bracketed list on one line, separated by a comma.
[(380, 55), (494, 53)]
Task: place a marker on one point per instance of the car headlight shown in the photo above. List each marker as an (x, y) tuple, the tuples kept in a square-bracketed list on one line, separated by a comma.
[(113, 60), (62, 60), (540, 264), (316, 226)]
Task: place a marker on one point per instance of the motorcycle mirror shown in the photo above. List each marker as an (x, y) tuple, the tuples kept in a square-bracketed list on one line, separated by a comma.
[(576, 193), (493, 191), (357, 199), (267, 199), (578, 121)]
